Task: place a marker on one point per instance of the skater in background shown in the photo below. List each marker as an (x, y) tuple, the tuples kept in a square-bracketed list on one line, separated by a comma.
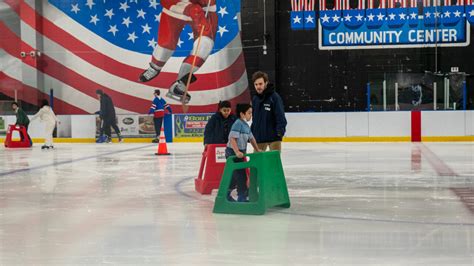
[(21, 120), (269, 122), (240, 134), (157, 108), (47, 116), (218, 127), (107, 117)]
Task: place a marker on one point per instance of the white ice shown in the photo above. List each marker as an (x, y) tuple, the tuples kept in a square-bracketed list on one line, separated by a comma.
[(352, 204)]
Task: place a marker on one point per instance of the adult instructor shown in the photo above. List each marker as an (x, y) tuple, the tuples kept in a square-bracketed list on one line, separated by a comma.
[(268, 122)]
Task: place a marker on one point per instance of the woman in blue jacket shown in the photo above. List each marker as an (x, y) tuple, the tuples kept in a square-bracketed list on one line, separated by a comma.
[(218, 127)]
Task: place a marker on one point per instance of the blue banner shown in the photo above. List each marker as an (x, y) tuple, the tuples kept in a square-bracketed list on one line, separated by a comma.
[(400, 27), (309, 20), (375, 32), (470, 13), (297, 20)]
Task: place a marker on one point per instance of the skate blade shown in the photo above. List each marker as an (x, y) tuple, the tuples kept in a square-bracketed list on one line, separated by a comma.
[(176, 98)]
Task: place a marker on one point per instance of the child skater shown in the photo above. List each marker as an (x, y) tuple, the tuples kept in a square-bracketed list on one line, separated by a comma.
[(240, 134), (21, 120), (218, 127), (47, 116)]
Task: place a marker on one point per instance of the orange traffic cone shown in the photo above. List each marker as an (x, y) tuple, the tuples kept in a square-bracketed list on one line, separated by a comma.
[(162, 149)]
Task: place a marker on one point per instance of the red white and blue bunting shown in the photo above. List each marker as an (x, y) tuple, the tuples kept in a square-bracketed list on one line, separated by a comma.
[(303, 15)]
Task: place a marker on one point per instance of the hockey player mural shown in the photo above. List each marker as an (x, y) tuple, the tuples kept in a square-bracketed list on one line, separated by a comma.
[(201, 16)]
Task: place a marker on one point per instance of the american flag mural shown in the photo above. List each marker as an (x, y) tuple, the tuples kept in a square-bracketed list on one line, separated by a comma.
[(106, 44)]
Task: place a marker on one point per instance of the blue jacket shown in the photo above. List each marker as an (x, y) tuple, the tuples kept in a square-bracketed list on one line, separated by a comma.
[(158, 107), (268, 118), (218, 128)]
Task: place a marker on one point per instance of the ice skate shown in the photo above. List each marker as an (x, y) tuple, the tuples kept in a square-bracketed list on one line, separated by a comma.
[(101, 139), (176, 92), (150, 73)]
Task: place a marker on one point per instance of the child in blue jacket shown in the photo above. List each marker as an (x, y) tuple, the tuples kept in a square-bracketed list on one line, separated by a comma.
[(240, 134)]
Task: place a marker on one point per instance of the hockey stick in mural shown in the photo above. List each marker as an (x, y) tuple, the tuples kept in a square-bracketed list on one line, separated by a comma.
[(188, 82)]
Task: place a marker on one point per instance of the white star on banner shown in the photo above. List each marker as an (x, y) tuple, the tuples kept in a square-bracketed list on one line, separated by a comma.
[(428, 14), (222, 11), (371, 17), (325, 18), (222, 30), (392, 16), (471, 14), (90, 3), (152, 43), (348, 17), (94, 19), (296, 19), (191, 35), (141, 14), (75, 8), (309, 19), (153, 4), (447, 14), (380, 16), (413, 15), (113, 29), (359, 17), (132, 37), (158, 17), (180, 42), (109, 13), (146, 28), (402, 16), (124, 6), (335, 18), (126, 21)]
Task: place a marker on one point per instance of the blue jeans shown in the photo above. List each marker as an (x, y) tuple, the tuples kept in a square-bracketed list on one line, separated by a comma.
[(239, 177)]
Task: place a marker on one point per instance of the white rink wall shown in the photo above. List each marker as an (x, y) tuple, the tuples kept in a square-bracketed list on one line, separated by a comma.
[(379, 124), (315, 125)]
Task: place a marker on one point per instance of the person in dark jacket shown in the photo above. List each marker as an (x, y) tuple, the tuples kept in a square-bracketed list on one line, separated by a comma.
[(269, 122), (107, 117), (218, 127), (21, 120)]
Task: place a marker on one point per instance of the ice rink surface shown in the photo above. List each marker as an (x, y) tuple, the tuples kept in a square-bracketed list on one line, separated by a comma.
[(352, 204)]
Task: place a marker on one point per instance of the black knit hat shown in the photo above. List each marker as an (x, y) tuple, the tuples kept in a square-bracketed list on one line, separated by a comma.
[(99, 91), (157, 92)]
